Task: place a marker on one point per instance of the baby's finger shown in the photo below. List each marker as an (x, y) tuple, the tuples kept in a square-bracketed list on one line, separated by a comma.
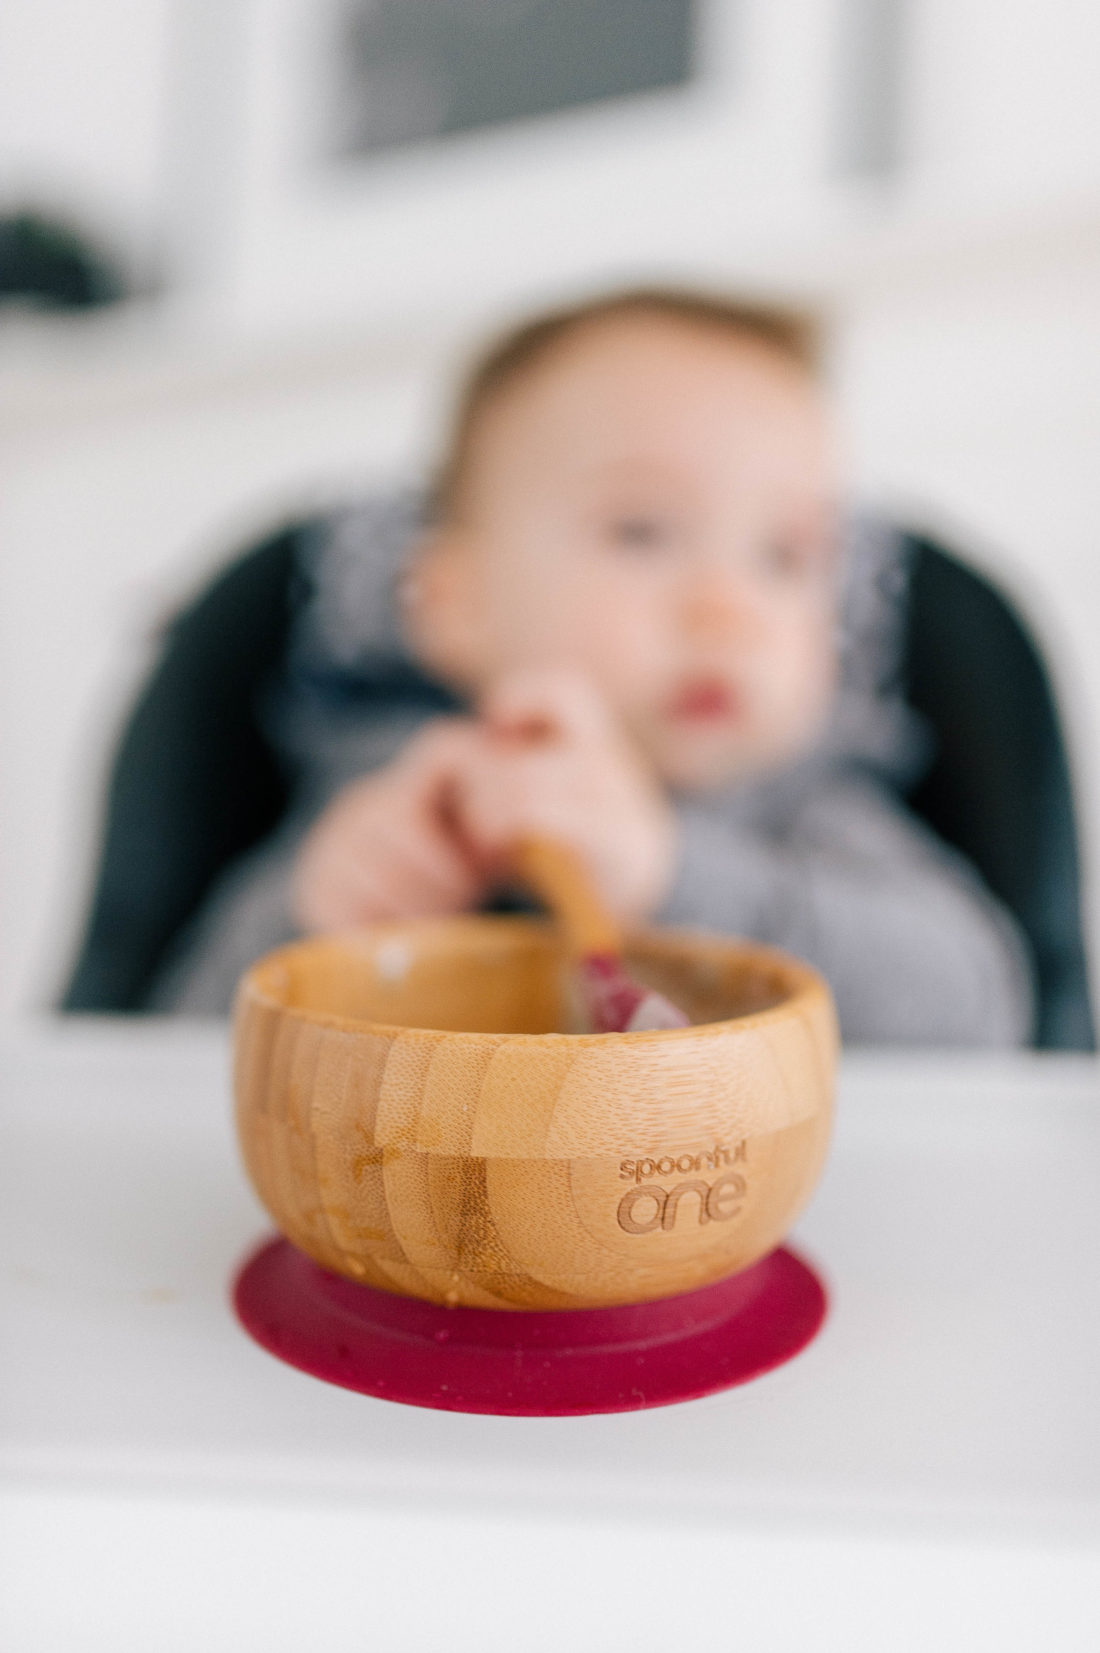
[(505, 797), (549, 703), (439, 751), (390, 891), (427, 859)]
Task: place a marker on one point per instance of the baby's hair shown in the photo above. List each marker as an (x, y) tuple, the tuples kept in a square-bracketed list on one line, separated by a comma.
[(791, 333)]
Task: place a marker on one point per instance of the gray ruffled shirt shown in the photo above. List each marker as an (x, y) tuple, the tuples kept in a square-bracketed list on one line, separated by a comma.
[(822, 858)]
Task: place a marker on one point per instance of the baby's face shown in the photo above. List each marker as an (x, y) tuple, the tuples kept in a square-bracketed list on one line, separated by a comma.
[(654, 505)]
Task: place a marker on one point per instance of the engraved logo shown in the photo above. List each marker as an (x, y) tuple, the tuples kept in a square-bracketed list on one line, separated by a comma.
[(637, 1170), (648, 1207)]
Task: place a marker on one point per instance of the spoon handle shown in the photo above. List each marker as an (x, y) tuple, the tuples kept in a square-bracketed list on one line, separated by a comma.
[(560, 879)]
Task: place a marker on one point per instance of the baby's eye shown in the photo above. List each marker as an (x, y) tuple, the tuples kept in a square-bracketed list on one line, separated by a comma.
[(637, 531), (791, 559)]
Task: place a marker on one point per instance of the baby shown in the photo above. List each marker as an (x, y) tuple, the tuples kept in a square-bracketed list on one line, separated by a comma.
[(619, 628)]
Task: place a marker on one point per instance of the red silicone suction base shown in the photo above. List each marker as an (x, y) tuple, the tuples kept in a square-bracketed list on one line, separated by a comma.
[(523, 1364)]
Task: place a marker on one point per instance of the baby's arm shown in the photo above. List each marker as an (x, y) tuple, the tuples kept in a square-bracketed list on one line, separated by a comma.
[(381, 849), (915, 948), (247, 913)]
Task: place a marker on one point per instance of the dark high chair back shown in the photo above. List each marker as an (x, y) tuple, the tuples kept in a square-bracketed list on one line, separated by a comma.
[(195, 782), (999, 786)]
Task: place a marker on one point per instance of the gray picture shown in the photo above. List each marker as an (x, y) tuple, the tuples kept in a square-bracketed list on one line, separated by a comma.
[(409, 71)]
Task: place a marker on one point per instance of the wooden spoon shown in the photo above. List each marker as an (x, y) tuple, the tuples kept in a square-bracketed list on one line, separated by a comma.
[(614, 1001)]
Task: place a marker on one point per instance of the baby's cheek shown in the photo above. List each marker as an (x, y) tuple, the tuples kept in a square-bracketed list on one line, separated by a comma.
[(620, 648), (547, 614), (811, 681), (526, 627), (792, 690)]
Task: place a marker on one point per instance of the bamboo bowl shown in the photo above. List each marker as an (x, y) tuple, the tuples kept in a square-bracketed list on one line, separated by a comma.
[(413, 1118)]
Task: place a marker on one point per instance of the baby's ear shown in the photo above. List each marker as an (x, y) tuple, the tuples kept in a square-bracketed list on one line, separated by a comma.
[(439, 607)]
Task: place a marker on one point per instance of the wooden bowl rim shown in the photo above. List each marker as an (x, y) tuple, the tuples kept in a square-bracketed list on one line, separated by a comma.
[(806, 983)]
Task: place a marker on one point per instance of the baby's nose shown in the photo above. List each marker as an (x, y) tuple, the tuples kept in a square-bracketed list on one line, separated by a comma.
[(720, 603)]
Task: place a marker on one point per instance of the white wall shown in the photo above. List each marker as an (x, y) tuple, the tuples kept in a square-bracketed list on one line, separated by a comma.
[(83, 90), (309, 342)]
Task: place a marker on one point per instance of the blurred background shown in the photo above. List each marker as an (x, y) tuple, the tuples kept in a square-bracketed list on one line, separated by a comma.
[(245, 243)]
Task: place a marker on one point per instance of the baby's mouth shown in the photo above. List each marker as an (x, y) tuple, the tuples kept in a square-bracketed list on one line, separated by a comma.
[(703, 700)]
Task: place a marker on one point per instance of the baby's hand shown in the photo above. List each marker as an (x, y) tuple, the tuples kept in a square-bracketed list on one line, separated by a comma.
[(387, 846), (554, 761)]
